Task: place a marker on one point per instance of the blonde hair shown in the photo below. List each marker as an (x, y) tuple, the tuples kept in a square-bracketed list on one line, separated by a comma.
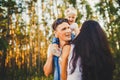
[(70, 10)]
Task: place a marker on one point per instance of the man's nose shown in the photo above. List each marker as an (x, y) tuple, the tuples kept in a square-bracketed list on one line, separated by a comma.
[(69, 30)]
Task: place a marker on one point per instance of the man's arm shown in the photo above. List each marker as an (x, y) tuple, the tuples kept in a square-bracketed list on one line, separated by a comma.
[(52, 50), (48, 67)]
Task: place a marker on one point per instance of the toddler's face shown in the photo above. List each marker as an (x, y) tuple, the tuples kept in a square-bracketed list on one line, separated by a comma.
[(71, 18)]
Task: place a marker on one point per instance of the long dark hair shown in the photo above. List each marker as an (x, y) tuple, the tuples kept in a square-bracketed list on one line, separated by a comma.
[(92, 47)]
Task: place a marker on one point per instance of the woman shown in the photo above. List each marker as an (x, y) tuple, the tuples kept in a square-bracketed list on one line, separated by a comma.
[(62, 31), (89, 57)]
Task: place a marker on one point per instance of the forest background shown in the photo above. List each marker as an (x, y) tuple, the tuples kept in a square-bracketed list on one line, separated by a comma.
[(25, 32)]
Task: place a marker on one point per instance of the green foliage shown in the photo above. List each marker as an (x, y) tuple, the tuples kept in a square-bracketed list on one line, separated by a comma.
[(89, 11), (3, 32), (1, 10), (72, 2), (3, 44), (8, 3), (112, 29)]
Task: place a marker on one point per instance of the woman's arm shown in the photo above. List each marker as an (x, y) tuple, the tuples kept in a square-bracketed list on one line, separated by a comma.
[(64, 61)]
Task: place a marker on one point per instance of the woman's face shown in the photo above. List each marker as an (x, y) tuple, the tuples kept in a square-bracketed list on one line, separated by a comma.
[(63, 32)]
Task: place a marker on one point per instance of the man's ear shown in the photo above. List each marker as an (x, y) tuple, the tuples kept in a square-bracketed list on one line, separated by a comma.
[(55, 32)]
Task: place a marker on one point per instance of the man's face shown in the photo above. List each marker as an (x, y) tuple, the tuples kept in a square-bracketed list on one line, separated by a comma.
[(63, 32)]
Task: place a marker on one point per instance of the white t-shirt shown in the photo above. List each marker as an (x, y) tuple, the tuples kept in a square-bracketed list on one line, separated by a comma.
[(73, 26)]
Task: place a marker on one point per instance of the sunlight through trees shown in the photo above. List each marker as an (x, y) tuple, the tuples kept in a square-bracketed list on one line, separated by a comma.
[(25, 32)]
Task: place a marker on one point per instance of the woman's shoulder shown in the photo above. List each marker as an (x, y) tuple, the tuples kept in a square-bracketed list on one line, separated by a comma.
[(68, 46), (66, 50)]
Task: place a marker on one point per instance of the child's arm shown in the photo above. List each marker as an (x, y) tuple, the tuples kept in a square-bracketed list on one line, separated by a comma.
[(76, 29)]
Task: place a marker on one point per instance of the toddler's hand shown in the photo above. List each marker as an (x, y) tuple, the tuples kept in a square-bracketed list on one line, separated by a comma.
[(55, 50)]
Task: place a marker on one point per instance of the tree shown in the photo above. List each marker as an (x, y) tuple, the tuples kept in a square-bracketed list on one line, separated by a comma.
[(6, 11)]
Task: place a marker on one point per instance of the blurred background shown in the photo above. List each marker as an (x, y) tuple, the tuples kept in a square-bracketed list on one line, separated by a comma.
[(25, 32)]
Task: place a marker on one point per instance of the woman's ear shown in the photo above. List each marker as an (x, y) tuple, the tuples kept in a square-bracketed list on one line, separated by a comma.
[(55, 34)]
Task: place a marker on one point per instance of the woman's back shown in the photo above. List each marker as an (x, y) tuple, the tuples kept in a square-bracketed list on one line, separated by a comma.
[(92, 46)]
